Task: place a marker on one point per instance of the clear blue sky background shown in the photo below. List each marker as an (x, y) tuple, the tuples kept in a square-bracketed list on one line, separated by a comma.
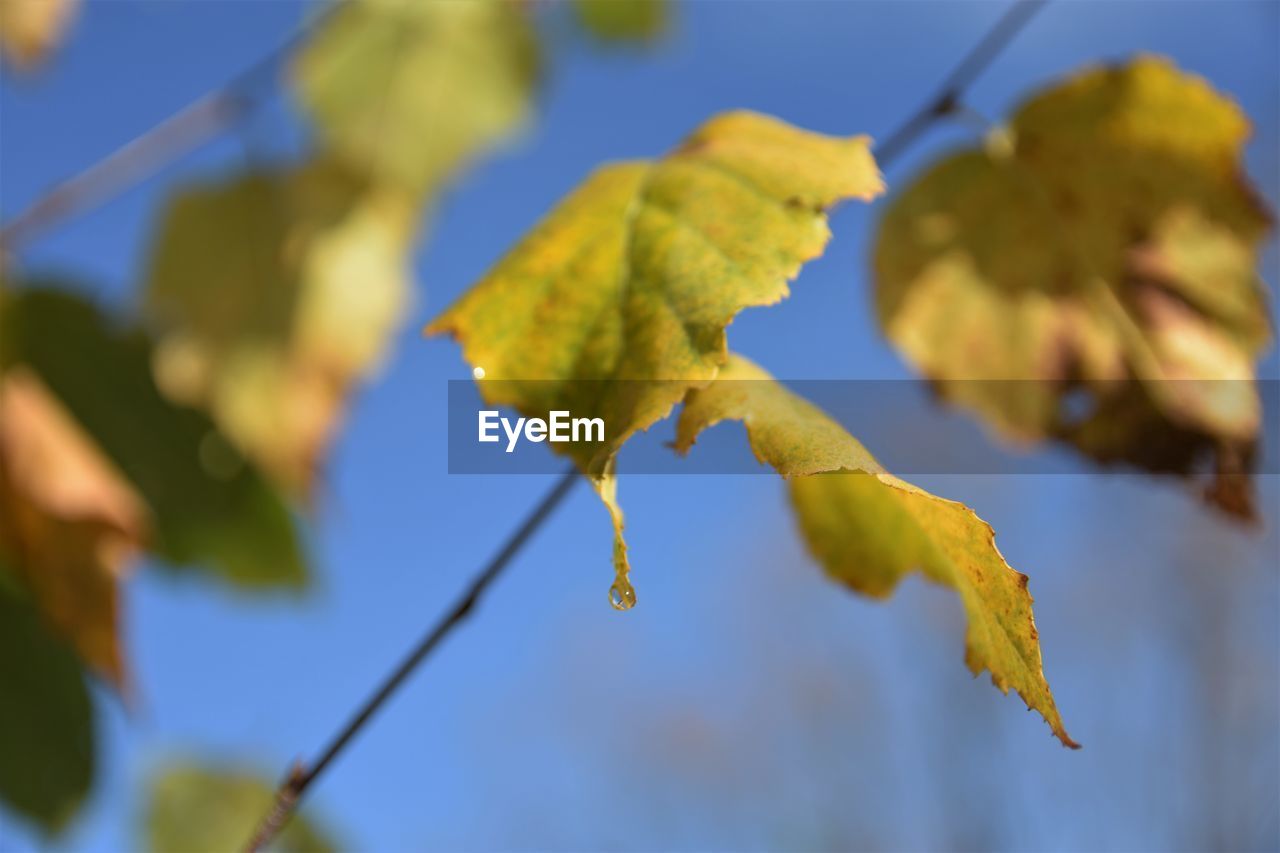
[(745, 703)]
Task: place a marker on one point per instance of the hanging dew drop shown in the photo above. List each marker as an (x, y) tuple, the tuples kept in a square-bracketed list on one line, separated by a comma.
[(622, 595)]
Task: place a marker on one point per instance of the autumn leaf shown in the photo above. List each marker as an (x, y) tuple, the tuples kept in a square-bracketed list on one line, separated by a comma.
[(1106, 259), (199, 808), (271, 298), (617, 302), (409, 91), (614, 21), (869, 529), (46, 717), (210, 507), (69, 523), (30, 29)]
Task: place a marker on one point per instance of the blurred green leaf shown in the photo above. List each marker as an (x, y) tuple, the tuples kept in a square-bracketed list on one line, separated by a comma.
[(623, 20), (270, 297), (1105, 254), (870, 530), (409, 91), (46, 717), (195, 808), (210, 508)]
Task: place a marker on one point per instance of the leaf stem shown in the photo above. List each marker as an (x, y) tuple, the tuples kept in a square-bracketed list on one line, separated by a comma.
[(301, 776)]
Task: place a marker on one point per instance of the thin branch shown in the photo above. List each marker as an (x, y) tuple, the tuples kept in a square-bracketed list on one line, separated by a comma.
[(949, 95), (186, 130), (301, 777)]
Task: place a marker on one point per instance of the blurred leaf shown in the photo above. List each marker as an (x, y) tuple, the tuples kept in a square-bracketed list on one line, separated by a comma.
[(46, 719), (409, 91), (271, 297), (195, 808), (1111, 253), (31, 29), (210, 508), (623, 20), (637, 273), (869, 529), (69, 524)]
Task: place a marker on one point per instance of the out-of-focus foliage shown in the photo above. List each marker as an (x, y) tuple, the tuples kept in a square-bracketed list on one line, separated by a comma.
[(46, 719), (271, 296), (409, 91), (869, 529), (31, 29), (208, 507), (69, 523), (637, 273), (1110, 250), (196, 808), (623, 20)]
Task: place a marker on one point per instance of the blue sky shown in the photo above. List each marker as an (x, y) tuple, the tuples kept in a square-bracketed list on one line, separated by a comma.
[(745, 703)]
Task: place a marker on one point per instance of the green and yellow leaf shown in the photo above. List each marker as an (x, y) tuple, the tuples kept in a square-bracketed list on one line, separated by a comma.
[(1109, 249), (271, 297), (616, 303), (408, 92), (869, 529)]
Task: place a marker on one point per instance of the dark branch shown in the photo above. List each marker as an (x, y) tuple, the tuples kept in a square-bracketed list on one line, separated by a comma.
[(301, 777), (951, 92)]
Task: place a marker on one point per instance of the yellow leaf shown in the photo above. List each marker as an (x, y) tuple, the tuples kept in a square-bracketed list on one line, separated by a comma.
[(1107, 261), (30, 29), (617, 302), (272, 296), (869, 529), (408, 91), (69, 524)]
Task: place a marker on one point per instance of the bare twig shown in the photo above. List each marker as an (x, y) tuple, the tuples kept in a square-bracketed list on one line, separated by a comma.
[(301, 776), (190, 127)]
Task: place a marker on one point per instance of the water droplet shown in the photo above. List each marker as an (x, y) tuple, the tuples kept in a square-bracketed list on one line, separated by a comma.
[(622, 595), (477, 372)]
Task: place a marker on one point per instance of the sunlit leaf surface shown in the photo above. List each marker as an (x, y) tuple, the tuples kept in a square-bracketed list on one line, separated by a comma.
[(869, 529), (636, 274)]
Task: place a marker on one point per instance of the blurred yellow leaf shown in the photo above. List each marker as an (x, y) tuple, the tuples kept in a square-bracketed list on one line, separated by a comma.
[(69, 524), (210, 507), (409, 91), (623, 20), (637, 273), (869, 529), (1110, 251), (195, 808), (30, 29), (46, 717), (271, 297)]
